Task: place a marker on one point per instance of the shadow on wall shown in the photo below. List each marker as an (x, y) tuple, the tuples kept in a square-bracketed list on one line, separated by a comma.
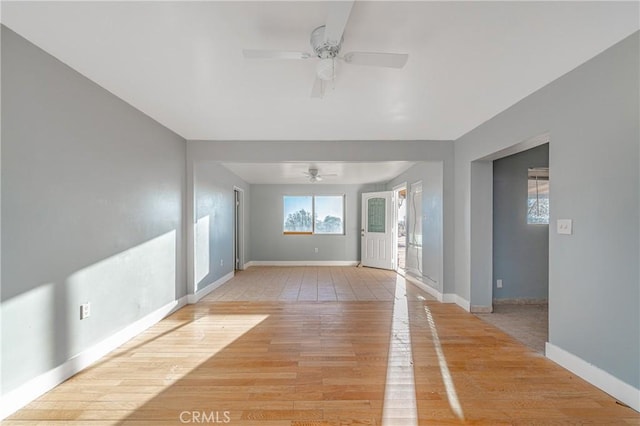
[(202, 252), (213, 248), (41, 326)]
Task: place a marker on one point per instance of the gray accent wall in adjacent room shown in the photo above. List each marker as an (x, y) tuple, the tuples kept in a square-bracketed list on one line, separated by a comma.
[(520, 250), (591, 117), (268, 243), (92, 211)]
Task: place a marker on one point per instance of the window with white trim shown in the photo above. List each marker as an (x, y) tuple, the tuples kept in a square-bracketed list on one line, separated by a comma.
[(313, 214)]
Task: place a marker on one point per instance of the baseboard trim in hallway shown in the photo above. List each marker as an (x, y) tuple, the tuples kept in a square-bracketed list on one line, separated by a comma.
[(195, 298), (440, 297), (301, 263)]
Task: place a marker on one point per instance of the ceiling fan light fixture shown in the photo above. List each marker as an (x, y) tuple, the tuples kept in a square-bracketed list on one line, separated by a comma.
[(326, 42), (325, 70)]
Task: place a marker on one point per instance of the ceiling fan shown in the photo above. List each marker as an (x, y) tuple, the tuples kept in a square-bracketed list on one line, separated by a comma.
[(326, 42), (314, 175)]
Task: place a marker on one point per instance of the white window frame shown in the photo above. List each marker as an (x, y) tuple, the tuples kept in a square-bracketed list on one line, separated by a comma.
[(313, 215)]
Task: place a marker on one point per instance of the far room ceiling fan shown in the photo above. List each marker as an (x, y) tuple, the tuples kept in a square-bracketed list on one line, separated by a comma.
[(314, 175), (326, 42)]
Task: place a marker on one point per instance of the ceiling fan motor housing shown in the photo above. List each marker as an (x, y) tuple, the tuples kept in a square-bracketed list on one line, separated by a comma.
[(322, 48), (327, 52)]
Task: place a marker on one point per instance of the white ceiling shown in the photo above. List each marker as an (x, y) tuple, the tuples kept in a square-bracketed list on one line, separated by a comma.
[(293, 172), (181, 62)]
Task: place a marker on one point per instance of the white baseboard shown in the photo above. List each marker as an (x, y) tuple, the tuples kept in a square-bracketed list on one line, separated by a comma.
[(301, 263), (440, 297), (615, 387), (194, 298), (14, 400), (424, 287), (481, 309), (520, 301), (460, 301)]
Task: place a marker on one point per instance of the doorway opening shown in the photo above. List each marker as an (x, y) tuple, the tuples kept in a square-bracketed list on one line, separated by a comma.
[(400, 197), (520, 290)]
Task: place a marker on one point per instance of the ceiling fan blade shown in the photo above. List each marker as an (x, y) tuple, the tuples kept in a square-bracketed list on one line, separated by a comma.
[(316, 92), (273, 54), (337, 18), (390, 60)]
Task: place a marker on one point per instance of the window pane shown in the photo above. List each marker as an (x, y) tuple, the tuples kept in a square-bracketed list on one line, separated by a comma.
[(538, 199), (376, 210), (329, 214), (297, 213)]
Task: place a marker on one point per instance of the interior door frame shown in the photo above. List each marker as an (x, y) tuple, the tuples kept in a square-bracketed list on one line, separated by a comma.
[(396, 198), (238, 228)]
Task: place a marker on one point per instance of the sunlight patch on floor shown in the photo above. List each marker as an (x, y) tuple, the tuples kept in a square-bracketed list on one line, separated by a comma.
[(452, 395), (199, 340), (400, 406)]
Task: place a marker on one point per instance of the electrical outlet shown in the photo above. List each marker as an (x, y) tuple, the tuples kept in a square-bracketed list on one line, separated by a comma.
[(85, 310), (564, 226), (221, 262), (499, 283), (316, 249)]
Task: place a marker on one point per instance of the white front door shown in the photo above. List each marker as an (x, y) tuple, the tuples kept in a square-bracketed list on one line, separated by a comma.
[(377, 230)]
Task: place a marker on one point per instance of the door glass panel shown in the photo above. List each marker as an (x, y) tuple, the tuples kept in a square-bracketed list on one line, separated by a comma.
[(376, 210)]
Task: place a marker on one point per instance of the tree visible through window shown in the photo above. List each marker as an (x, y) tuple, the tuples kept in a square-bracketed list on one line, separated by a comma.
[(319, 214), (329, 211), (538, 199), (298, 214)]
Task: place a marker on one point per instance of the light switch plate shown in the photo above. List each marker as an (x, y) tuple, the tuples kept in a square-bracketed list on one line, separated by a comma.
[(565, 226)]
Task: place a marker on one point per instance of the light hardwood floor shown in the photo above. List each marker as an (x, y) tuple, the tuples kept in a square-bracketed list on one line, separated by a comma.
[(311, 346)]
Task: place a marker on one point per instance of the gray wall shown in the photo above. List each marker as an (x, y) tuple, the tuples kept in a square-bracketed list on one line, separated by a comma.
[(214, 221), (92, 208), (591, 115), (437, 228), (268, 243), (520, 250)]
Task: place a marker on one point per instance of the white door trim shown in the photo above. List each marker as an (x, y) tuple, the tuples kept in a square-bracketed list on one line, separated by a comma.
[(239, 218)]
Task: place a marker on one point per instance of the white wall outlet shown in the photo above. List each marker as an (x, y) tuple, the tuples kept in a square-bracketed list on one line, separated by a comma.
[(499, 283), (85, 310), (316, 249), (564, 226), (221, 262)]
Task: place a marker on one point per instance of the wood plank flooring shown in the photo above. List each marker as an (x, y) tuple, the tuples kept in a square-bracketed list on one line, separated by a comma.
[(311, 346)]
